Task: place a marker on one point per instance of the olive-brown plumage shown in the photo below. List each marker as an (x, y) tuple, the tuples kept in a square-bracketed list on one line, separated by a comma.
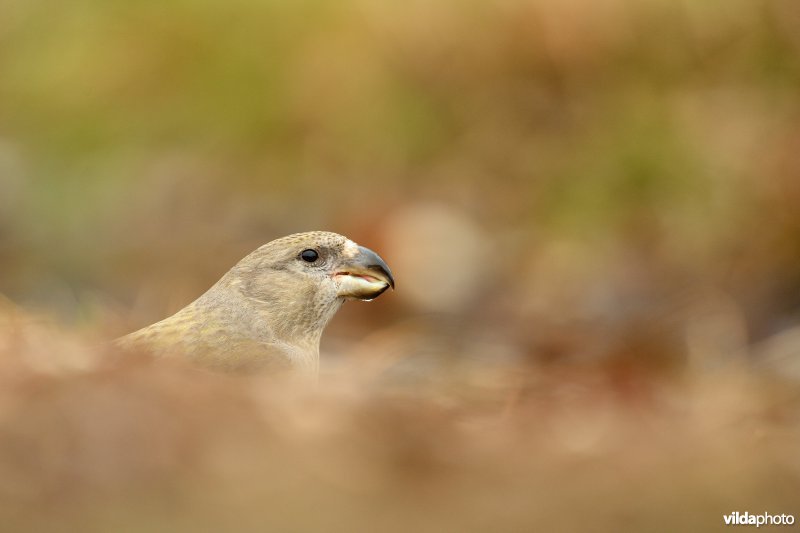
[(268, 312)]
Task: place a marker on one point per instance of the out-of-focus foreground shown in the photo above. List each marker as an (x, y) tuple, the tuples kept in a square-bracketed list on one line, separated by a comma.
[(591, 210)]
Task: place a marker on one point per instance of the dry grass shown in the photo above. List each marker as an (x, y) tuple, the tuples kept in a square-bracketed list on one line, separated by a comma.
[(99, 442)]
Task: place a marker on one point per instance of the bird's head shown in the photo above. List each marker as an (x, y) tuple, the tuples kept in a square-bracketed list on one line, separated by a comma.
[(305, 277), (324, 261)]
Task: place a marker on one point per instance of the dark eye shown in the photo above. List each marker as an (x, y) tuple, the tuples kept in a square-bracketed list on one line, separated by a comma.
[(309, 256)]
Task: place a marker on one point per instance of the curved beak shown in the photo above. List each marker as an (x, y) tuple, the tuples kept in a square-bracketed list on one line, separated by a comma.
[(364, 276)]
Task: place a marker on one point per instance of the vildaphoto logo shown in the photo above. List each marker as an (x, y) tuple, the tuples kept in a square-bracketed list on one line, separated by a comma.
[(765, 519)]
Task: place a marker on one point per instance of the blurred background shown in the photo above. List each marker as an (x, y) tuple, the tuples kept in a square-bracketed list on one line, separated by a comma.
[(589, 207)]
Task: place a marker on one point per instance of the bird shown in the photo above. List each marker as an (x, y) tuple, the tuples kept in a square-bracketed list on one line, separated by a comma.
[(268, 312)]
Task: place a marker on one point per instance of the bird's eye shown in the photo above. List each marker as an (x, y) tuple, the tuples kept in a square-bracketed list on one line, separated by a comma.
[(309, 256)]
